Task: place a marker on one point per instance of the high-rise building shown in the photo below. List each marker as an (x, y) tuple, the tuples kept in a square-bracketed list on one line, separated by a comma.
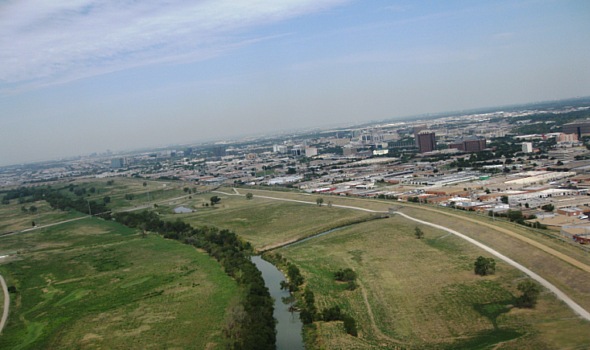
[(118, 163), (426, 141)]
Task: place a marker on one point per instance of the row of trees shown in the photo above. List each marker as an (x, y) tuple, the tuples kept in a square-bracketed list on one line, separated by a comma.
[(57, 200), (250, 325)]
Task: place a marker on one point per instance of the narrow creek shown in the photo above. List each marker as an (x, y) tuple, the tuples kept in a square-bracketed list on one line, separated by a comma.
[(289, 325)]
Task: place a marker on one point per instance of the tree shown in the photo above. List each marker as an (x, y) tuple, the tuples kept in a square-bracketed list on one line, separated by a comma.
[(106, 200), (530, 292), (350, 325), (418, 233), (484, 266), (515, 215), (214, 200), (186, 190), (249, 195), (504, 199), (548, 207), (144, 184), (319, 201), (345, 275)]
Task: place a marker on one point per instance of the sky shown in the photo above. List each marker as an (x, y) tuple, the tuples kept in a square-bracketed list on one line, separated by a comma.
[(84, 76)]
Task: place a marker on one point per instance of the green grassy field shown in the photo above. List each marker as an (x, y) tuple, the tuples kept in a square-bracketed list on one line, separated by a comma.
[(265, 222), (423, 294), (93, 284)]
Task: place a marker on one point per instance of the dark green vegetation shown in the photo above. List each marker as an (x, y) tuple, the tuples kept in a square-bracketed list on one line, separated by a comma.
[(530, 293), (253, 328), (97, 284), (484, 266)]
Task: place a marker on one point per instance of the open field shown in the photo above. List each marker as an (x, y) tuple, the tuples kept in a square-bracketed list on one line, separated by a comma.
[(424, 294), (265, 222), (94, 284)]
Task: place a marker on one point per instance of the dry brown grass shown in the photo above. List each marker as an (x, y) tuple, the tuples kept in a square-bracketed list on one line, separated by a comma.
[(420, 292)]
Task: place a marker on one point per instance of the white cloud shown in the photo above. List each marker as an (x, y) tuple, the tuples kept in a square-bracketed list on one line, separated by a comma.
[(46, 42)]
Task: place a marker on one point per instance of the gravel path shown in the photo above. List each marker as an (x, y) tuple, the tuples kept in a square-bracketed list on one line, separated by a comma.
[(6, 304)]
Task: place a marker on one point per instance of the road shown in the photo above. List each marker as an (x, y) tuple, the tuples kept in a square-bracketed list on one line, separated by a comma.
[(558, 293), (6, 304)]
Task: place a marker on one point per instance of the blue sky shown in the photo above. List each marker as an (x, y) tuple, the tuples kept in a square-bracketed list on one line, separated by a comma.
[(85, 76)]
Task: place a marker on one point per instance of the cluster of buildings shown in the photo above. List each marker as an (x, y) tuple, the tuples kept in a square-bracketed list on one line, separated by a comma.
[(429, 161)]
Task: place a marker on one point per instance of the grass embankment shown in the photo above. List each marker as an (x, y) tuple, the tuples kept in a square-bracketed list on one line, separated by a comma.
[(265, 222), (96, 284), (570, 279), (423, 294)]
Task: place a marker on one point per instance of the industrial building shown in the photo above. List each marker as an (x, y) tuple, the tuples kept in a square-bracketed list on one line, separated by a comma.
[(580, 128)]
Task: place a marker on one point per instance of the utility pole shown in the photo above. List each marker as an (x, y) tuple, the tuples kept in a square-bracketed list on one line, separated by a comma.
[(89, 211)]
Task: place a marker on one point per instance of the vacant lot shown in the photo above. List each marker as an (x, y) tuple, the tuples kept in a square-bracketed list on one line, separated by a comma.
[(94, 284), (423, 293)]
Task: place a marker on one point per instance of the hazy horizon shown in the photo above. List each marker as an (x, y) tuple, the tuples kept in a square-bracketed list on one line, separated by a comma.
[(89, 76)]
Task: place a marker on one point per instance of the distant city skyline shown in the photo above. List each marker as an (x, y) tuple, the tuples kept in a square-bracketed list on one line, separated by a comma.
[(84, 77)]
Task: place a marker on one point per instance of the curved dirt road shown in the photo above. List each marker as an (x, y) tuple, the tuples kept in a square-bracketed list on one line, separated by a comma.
[(6, 304)]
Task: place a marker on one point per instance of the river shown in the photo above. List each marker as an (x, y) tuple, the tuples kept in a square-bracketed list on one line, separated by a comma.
[(289, 325)]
